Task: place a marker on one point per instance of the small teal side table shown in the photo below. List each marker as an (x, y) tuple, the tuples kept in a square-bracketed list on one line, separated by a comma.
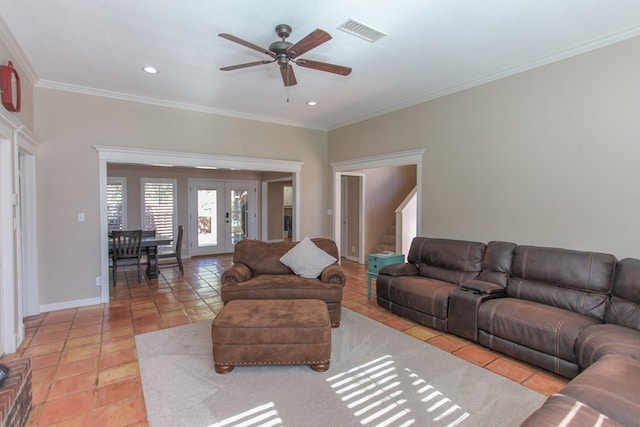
[(376, 262)]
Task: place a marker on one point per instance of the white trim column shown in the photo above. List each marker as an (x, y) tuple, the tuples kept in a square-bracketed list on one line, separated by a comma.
[(8, 300)]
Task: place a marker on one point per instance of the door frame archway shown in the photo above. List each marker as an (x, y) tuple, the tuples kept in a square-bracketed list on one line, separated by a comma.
[(403, 158), (109, 154)]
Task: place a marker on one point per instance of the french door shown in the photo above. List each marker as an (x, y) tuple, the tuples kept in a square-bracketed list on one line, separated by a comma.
[(221, 213)]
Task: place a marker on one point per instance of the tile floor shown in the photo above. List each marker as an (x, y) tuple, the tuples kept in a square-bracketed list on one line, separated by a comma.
[(85, 368)]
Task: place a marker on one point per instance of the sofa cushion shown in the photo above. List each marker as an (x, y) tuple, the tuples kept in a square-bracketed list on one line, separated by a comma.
[(306, 259), (422, 294), (282, 286), (496, 263), (541, 327), (624, 306), (599, 340), (264, 257), (573, 280), (453, 261)]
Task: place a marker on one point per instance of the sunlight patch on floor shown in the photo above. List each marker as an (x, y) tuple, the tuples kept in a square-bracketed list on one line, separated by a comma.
[(263, 415), (381, 394)]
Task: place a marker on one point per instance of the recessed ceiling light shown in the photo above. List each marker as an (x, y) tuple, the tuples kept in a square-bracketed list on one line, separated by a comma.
[(150, 70), (312, 103)]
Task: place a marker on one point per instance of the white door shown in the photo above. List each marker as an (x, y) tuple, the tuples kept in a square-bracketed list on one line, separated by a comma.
[(221, 213)]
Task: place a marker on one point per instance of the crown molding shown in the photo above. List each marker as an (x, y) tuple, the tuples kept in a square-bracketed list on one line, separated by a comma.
[(617, 37), (47, 84), (174, 158), (16, 51), (382, 160)]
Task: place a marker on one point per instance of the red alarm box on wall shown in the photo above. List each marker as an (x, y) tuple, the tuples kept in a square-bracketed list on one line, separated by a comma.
[(10, 87)]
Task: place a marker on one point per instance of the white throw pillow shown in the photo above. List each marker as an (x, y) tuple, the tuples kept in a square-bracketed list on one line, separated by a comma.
[(306, 259)]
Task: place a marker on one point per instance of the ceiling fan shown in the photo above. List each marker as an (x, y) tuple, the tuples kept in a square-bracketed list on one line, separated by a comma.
[(284, 53)]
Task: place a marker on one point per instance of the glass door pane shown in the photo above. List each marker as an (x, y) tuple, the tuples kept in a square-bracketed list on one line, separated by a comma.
[(206, 217), (221, 213), (239, 214), (207, 202)]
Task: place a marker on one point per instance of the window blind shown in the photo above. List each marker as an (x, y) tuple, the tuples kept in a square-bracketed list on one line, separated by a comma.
[(115, 204), (159, 206)]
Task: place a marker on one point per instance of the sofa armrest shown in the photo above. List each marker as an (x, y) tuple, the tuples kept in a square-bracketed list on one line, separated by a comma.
[(401, 269), (481, 287), (333, 274), (237, 273)]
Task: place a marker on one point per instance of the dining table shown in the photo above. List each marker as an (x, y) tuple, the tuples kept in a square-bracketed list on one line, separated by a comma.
[(149, 246)]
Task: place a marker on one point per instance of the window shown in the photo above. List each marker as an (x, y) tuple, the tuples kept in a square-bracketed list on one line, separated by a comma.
[(159, 206), (117, 203)]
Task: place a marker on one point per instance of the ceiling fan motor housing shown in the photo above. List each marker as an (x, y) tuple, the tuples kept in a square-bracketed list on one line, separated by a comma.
[(280, 47)]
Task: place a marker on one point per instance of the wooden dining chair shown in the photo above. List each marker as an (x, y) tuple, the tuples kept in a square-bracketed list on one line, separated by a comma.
[(126, 250), (175, 252)]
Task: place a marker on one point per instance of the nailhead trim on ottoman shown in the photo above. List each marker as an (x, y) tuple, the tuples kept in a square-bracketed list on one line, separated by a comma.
[(272, 332)]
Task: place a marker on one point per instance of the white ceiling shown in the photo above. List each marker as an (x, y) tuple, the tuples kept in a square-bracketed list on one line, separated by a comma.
[(432, 48)]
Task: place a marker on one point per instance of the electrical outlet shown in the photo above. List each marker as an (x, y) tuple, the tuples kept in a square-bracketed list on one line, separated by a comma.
[(98, 281), (353, 248)]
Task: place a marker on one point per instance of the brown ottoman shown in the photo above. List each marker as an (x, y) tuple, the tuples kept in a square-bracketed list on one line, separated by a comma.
[(272, 332)]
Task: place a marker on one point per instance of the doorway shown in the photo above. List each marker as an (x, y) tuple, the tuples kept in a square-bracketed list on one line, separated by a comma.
[(221, 213), (278, 206), (349, 167), (352, 216), (107, 154)]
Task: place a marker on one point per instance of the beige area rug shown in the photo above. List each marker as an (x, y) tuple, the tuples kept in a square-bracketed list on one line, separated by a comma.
[(378, 377)]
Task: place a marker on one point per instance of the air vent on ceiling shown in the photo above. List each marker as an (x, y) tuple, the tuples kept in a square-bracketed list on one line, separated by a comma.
[(361, 30)]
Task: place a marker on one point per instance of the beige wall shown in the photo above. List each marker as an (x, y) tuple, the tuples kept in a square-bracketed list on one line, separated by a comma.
[(545, 157), (69, 125)]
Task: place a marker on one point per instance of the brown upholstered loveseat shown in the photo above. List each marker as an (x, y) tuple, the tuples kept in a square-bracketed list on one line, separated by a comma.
[(562, 310), (257, 273)]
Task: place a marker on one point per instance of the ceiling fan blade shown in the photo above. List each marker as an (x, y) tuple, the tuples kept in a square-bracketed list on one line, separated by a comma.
[(248, 64), (288, 77), (312, 40), (247, 44), (323, 66)]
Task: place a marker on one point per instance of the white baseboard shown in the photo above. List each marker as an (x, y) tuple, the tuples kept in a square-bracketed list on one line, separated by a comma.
[(70, 304), (352, 258)]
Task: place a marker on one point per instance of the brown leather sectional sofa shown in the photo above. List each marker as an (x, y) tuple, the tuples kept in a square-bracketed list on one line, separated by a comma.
[(562, 310)]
